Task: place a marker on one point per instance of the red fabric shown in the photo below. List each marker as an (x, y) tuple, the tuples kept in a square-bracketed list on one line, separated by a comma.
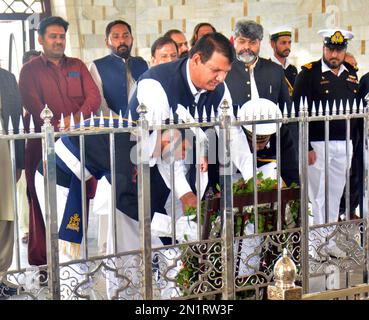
[(66, 88)]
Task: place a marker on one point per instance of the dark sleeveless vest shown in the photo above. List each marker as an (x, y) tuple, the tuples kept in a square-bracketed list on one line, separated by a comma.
[(113, 73)]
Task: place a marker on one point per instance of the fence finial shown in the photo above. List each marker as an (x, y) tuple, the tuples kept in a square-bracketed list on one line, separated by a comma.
[(334, 108), (142, 110), (361, 106), (205, 115), (31, 125), (354, 107), (313, 110), (326, 108), (21, 125), (10, 126), (301, 104), (81, 122), (61, 123), (285, 276), (120, 119), (320, 112), (92, 122), (224, 107), (212, 114), (171, 116), (293, 111), (340, 108), (196, 114), (101, 120), (111, 121), (46, 115), (285, 111), (71, 123)]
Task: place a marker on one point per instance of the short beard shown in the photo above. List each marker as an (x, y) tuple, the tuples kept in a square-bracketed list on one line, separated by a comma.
[(331, 66), (184, 54), (283, 54), (123, 54), (247, 57)]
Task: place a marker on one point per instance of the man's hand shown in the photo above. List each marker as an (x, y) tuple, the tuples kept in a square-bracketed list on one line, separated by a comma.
[(204, 164), (312, 157), (189, 199)]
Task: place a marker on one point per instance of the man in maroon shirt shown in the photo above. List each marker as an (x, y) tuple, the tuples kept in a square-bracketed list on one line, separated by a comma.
[(66, 86)]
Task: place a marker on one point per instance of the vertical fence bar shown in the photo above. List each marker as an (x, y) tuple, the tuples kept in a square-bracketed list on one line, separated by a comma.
[(52, 236), (172, 184), (303, 170), (198, 185), (348, 161), (83, 195), (366, 186), (15, 202), (254, 174), (278, 158), (227, 205), (347, 187), (326, 163), (144, 206), (113, 190)]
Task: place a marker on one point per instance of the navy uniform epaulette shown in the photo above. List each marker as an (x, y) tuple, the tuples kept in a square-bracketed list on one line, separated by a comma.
[(307, 66), (351, 66), (311, 65)]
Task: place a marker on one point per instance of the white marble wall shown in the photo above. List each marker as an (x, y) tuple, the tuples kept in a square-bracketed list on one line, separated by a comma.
[(151, 18)]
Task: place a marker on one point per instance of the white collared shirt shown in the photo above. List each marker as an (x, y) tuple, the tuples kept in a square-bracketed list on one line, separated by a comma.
[(193, 89), (254, 88), (274, 59), (325, 68)]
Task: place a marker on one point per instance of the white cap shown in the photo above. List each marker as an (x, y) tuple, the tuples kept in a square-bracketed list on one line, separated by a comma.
[(280, 31), (336, 37), (260, 107)]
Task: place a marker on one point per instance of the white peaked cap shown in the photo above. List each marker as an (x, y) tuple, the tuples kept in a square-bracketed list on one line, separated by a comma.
[(326, 33), (280, 31), (264, 107)]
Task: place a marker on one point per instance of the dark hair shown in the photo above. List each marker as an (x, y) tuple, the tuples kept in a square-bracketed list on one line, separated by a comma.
[(114, 23), (210, 43), (49, 21), (161, 42), (29, 54), (170, 32), (196, 31)]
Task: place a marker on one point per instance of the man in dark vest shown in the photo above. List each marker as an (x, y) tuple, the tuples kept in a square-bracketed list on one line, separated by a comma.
[(280, 41), (329, 81), (196, 83), (116, 73)]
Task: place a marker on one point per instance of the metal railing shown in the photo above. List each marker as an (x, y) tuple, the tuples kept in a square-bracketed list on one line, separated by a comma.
[(229, 265)]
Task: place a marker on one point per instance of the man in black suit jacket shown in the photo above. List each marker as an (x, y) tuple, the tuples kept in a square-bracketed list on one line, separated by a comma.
[(252, 76), (10, 106)]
